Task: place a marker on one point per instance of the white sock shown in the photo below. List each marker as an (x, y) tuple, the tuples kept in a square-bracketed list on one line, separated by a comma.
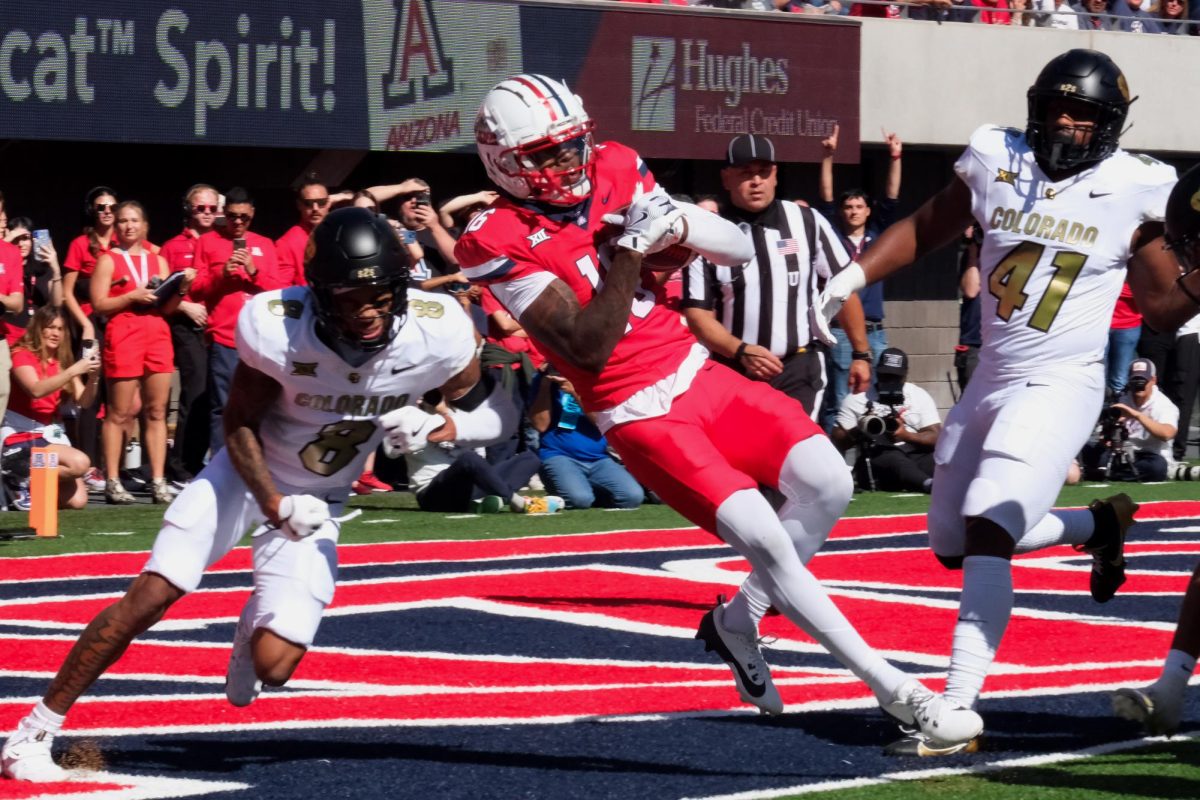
[(43, 719), (747, 608), (1177, 671), (516, 502), (984, 611), (746, 521), (1075, 526)]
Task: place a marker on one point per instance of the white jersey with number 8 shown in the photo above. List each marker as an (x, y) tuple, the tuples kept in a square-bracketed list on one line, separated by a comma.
[(319, 433), (1054, 254)]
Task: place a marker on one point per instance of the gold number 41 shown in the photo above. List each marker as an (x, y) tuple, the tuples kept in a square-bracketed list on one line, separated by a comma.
[(1012, 272)]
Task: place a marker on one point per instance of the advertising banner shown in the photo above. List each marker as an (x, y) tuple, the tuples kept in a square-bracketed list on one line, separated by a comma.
[(409, 74)]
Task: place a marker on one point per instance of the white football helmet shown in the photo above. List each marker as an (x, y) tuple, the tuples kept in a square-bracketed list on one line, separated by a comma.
[(535, 140)]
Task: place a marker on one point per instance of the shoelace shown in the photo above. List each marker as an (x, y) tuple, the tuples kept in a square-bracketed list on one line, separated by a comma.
[(755, 664)]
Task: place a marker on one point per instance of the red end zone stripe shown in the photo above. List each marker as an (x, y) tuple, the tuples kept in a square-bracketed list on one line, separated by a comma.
[(20, 790)]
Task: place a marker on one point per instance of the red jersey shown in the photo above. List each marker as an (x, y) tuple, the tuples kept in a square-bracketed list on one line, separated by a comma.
[(80, 259), (129, 273), (290, 249), (1125, 313), (12, 274), (42, 409), (519, 243), (224, 295), (180, 253)]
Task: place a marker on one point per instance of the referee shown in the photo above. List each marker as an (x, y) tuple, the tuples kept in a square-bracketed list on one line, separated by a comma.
[(758, 317)]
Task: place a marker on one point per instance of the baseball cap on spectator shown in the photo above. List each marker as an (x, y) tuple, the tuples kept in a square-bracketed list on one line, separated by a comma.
[(749, 147), (1142, 368), (892, 361)]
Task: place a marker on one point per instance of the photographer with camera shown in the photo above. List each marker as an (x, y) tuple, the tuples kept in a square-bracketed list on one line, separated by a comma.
[(1136, 432), (894, 425)]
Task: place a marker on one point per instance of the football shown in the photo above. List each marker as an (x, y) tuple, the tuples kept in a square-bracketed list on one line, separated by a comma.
[(672, 257), (677, 256)]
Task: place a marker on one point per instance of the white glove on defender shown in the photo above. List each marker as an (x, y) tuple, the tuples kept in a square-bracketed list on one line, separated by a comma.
[(301, 515), (835, 294), (406, 430), (652, 222)]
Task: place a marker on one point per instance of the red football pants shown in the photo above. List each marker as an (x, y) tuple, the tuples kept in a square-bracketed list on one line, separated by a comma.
[(724, 434)]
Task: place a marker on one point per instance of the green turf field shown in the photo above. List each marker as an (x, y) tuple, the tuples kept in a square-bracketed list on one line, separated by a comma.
[(92, 529)]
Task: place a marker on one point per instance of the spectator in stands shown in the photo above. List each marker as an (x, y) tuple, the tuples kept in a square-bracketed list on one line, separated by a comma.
[(576, 464), (993, 12), (232, 263), (82, 252), (1058, 14), (970, 335), (1173, 17), (858, 223), (12, 300), (1102, 15), (3, 217), (43, 369), (42, 283), (138, 357), (1123, 335), (437, 270), (894, 425), (1139, 18), (200, 206), (448, 477), (312, 204), (456, 212), (1149, 421)]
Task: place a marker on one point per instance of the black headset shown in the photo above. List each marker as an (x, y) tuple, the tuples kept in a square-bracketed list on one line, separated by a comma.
[(187, 203), (89, 213)]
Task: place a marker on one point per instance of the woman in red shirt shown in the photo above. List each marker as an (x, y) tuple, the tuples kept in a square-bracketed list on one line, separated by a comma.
[(43, 369), (84, 251), (137, 348)]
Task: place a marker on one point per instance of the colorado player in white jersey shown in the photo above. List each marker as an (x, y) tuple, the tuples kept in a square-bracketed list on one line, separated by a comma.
[(325, 372), (1063, 210)]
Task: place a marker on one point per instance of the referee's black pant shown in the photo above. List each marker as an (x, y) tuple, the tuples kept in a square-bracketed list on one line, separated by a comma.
[(803, 377)]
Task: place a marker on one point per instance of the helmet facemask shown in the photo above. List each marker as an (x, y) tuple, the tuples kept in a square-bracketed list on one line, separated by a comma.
[(1186, 249), (557, 169), (342, 307)]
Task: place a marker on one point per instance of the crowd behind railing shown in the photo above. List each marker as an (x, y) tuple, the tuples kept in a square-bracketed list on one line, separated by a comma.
[(1171, 17)]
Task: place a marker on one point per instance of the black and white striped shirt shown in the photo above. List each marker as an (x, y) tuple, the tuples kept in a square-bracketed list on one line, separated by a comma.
[(769, 300)]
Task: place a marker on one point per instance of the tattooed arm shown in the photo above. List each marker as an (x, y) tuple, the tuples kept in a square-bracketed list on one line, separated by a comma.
[(251, 393)]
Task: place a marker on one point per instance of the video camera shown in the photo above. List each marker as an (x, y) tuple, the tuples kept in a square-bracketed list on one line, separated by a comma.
[(1114, 458), (879, 421)]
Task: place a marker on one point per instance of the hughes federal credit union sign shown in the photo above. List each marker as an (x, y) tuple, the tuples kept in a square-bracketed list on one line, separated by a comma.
[(409, 74)]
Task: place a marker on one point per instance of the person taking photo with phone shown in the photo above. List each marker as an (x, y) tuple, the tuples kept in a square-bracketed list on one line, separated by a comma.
[(232, 263), (42, 284)]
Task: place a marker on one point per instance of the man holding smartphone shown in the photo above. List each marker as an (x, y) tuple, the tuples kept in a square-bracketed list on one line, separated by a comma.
[(437, 271), (232, 263)]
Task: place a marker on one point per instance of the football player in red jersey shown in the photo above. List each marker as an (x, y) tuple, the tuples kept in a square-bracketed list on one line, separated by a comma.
[(562, 249)]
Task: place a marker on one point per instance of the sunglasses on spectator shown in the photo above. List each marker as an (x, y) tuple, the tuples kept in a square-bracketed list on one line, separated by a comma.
[(204, 209), (104, 206), (239, 217), (315, 202)]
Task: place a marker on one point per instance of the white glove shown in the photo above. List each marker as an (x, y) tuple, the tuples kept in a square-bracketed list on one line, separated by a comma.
[(301, 515), (406, 430), (652, 222), (837, 292)]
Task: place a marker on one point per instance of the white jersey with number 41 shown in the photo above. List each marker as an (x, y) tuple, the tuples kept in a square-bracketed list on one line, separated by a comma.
[(319, 433), (1054, 254)]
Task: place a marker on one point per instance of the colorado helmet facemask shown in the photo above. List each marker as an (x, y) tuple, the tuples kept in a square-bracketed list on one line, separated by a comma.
[(1087, 76), (350, 249)]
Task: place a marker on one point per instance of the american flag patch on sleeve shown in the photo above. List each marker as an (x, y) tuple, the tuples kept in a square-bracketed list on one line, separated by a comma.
[(788, 247)]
